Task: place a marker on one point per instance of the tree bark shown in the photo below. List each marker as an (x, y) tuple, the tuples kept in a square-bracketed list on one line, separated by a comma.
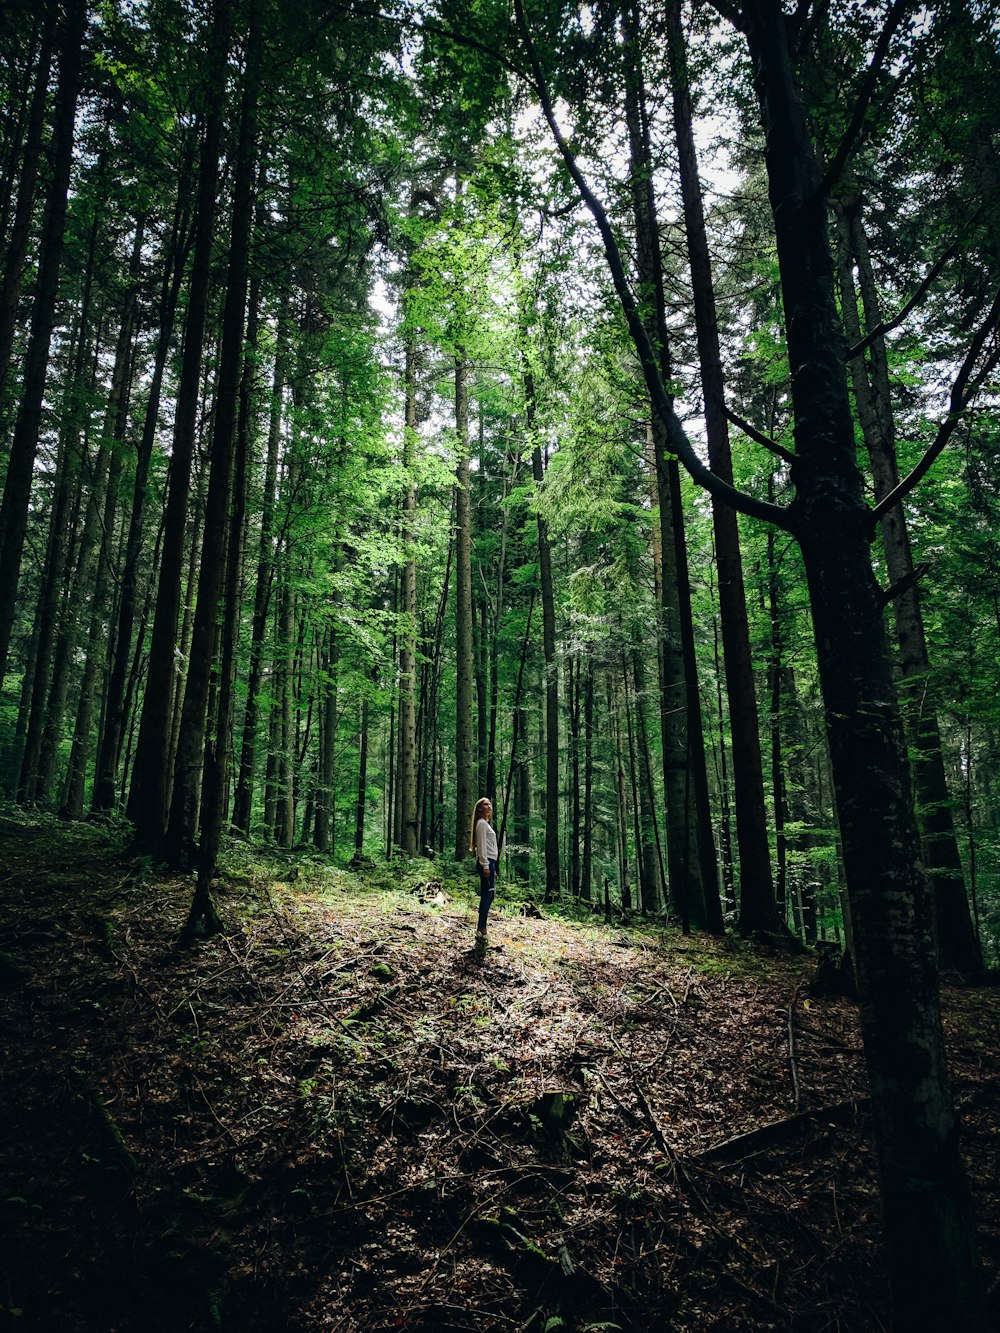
[(958, 945), (180, 845), (243, 799), (109, 751), (690, 851), (151, 776), (406, 775), (464, 795), (586, 869), (24, 445), (758, 911), (931, 1247), (20, 230)]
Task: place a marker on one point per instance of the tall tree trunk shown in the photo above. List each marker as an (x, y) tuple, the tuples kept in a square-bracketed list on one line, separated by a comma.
[(932, 1257), (151, 775), (109, 752), (406, 775), (243, 799), (183, 822), (115, 420), (362, 801), (20, 230), (774, 673), (551, 674), (725, 826), (574, 707), (586, 869), (690, 851), (520, 860), (62, 533), (621, 822), (642, 810), (757, 902), (232, 432), (958, 946), (464, 795), (326, 793), (24, 445)]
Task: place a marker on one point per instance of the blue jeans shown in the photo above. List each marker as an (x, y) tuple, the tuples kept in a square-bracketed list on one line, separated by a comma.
[(487, 892)]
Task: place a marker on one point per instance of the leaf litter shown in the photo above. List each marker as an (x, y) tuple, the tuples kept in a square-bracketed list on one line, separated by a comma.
[(334, 1116)]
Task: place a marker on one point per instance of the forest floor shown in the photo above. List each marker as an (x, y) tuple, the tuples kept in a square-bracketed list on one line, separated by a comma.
[(334, 1116)]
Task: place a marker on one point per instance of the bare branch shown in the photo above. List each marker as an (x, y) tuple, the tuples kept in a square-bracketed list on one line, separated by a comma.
[(887, 326), (893, 19), (677, 438), (905, 583), (962, 392), (759, 437)]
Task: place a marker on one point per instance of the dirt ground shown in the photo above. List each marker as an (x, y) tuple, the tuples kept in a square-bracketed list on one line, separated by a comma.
[(334, 1116)]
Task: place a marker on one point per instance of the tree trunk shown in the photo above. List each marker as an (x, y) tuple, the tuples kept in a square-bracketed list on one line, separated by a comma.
[(774, 673), (758, 911), (20, 230), (102, 537), (931, 1248), (61, 535), (958, 946), (690, 852), (326, 787), (586, 869), (406, 775), (243, 799), (151, 776), (551, 683), (109, 752), (362, 801), (464, 795), (24, 445), (624, 888), (180, 845), (573, 709)]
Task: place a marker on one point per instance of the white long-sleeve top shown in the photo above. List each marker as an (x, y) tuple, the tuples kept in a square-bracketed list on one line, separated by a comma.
[(486, 844)]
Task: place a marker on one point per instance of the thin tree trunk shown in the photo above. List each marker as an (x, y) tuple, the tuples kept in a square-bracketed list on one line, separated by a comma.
[(586, 869), (61, 535), (624, 887), (758, 911), (464, 795), (180, 844), (151, 776), (958, 946), (406, 775), (24, 445), (116, 418), (552, 860), (690, 851), (243, 800), (20, 230), (109, 753), (774, 672), (362, 801)]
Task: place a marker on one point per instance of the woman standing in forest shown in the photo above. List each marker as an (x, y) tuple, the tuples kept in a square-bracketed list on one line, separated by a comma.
[(483, 841)]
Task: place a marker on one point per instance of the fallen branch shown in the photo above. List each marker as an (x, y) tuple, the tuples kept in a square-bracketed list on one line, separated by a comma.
[(779, 1131)]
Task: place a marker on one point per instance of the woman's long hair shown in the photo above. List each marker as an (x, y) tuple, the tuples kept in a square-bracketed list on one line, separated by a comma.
[(478, 813)]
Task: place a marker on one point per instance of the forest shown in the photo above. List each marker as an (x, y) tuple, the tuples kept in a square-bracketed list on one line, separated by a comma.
[(592, 408)]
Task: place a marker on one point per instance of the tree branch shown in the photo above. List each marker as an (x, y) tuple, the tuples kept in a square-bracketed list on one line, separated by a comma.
[(905, 583), (846, 147), (962, 392), (677, 438), (759, 437), (886, 326)]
